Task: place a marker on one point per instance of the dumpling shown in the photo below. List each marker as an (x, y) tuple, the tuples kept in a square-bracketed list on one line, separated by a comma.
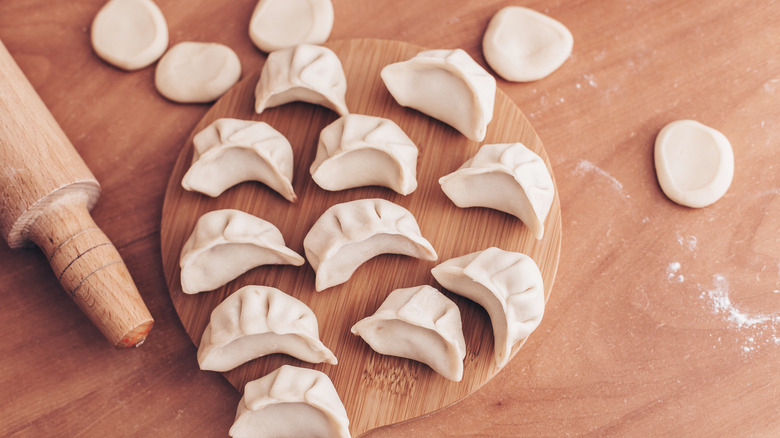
[(507, 177), (231, 151), (227, 243), (305, 73), (447, 85), (358, 150), (507, 284), (349, 234), (130, 34), (290, 401), (256, 321), (280, 24), (195, 72), (421, 324)]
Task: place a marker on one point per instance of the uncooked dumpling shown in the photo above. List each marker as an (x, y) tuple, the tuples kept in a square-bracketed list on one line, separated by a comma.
[(447, 85), (197, 72), (349, 234), (421, 324), (130, 34), (227, 243), (280, 24), (256, 321), (694, 163), (304, 73), (290, 402), (507, 284), (230, 151), (523, 45), (507, 177), (358, 150)]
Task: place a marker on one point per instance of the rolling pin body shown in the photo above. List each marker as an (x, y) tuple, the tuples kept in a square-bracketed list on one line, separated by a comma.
[(46, 193)]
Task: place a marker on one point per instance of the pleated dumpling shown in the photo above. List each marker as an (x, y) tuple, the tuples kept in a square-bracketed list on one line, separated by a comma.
[(227, 243), (358, 150), (304, 73), (231, 151), (350, 233), (256, 321), (507, 177), (290, 401), (507, 284), (447, 85), (421, 324)]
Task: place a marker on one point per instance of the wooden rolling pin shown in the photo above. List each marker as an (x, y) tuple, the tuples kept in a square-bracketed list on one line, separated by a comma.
[(46, 193)]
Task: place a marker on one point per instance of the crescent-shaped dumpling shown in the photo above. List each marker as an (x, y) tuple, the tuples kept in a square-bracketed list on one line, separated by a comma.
[(279, 24), (227, 243), (304, 73), (349, 234), (290, 402), (231, 151), (507, 284), (358, 150), (507, 177), (447, 85), (256, 321), (421, 324)]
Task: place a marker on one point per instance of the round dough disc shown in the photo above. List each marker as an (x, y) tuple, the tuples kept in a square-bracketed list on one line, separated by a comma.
[(197, 72), (694, 163), (523, 45), (130, 34), (281, 24)]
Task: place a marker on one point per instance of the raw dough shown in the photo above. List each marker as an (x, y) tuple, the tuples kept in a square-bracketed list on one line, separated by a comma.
[(256, 321), (447, 85), (281, 24), (231, 151), (421, 324), (694, 163), (291, 402), (523, 45), (358, 150), (130, 34), (197, 72)]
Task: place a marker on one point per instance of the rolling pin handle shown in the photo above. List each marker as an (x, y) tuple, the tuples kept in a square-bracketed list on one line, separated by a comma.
[(91, 270)]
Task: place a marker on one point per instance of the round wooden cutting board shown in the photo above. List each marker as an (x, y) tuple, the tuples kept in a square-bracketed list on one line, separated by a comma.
[(376, 390)]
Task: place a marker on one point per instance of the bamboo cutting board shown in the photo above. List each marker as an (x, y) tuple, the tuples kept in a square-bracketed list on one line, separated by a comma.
[(376, 390)]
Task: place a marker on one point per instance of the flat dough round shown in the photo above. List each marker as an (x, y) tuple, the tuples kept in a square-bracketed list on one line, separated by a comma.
[(281, 24), (129, 34), (694, 163), (523, 45), (197, 72)]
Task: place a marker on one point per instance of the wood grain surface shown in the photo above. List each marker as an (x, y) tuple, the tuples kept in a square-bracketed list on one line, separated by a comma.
[(376, 390), (663, 320)]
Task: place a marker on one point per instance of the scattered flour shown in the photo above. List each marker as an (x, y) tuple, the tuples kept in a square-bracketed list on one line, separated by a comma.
[(687, 241), (585, 167)]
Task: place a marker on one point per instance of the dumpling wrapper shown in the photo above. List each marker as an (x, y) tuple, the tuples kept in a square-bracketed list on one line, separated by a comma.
[(281, 24), (421, 324), (227, 243), (290, 401), (523, 45), (192, 72), (256, 321), (507, 284), (447, 85), (304, 73), (231, 151), (129, 34), (694, 163), (349, 234), (358, 150), (507, 177)]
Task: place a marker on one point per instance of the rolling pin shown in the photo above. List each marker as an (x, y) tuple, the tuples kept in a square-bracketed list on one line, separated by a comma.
[(46, 194)]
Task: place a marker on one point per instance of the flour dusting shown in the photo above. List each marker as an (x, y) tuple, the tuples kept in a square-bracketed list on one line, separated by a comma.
[(585, 167)]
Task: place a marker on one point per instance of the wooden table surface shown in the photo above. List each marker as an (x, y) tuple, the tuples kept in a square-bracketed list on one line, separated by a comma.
[(664, 320)]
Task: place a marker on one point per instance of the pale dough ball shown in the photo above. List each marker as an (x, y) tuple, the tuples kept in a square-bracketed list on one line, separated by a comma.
[(523, 45), (694, 163), (130, 34), (280, 24), (197, 72)]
